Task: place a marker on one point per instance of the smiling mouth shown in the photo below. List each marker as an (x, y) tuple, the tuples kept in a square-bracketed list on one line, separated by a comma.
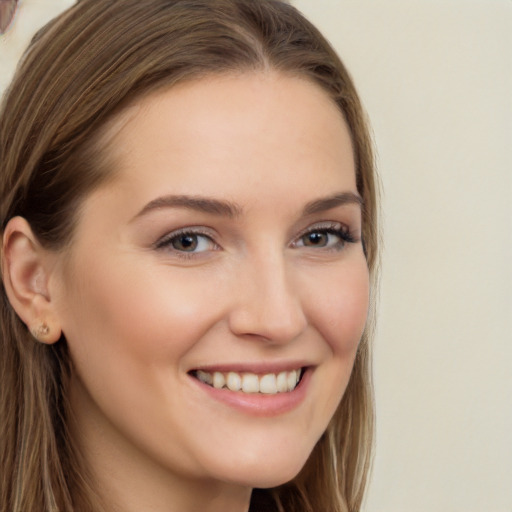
[(267, 384)]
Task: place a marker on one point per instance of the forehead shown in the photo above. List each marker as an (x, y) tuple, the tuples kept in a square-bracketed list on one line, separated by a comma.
[(215, 132)]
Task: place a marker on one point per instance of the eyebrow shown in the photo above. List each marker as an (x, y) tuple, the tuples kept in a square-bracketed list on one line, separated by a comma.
[(229, 209), (330, 202), (196, 203)]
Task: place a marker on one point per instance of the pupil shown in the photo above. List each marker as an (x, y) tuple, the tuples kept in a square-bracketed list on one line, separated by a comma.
[(316, 239), (186, 243)]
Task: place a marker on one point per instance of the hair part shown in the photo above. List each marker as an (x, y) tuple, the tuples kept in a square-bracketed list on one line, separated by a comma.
[(79, 72)]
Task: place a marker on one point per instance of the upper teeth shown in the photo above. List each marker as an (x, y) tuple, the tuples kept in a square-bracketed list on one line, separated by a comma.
[(270, 383)]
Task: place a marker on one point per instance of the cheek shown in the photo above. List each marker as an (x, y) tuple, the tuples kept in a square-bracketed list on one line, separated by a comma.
[(340, 307), (145, 314), (338, 311), (129, 334)]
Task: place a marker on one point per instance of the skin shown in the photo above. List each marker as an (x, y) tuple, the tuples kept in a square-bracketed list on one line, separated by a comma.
[(139, 316)]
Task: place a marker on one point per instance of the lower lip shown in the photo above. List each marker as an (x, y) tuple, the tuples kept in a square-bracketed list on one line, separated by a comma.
[(260, 404)]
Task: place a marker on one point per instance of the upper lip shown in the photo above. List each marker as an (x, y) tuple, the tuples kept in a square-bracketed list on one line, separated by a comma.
[(261, 368)]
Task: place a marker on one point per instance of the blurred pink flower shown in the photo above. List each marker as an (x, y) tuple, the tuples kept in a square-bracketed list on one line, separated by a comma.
[(7, 10)]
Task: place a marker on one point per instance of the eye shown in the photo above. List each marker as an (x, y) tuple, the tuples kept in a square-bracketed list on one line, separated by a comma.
[(318, 239), (187, 242), (332, 236)]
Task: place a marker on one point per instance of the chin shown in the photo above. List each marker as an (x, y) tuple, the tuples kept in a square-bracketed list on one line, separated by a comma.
[(266, 472)]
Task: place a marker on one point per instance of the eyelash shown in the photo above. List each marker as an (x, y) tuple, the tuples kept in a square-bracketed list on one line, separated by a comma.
[(333, 228), (167, 241), (336, 229)]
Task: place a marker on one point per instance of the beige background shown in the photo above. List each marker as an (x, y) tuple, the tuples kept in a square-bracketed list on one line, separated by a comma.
[(436, 79)]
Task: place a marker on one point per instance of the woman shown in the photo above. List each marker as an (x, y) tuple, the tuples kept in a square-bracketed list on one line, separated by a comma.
[(189, 247)]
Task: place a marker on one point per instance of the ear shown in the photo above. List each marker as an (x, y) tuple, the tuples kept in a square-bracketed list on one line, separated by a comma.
[(26, 268)]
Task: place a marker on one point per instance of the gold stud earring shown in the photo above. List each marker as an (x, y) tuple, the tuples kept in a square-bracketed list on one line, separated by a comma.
[(41, 331)]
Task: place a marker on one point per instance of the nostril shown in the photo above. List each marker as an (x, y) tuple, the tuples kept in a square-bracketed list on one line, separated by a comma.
[(265, 304), (268, 322)]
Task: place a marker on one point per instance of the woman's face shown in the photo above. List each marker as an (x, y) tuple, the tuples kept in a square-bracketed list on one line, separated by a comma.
[(226, 251)]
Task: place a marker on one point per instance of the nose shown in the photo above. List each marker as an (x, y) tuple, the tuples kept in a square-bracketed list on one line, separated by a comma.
[(266, 304)]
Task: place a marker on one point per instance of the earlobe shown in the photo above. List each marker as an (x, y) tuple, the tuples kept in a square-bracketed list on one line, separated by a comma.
[(25, 273)]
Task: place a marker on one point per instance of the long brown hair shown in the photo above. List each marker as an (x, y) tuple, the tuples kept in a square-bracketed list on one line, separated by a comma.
[(79, 71)]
